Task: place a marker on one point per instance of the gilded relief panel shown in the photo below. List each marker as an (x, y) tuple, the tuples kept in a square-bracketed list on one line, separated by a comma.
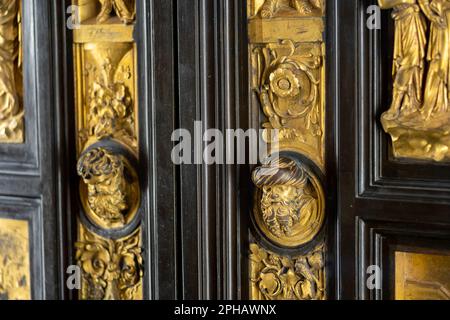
[(15, 277), (11, 79), (107, 147), (289, 203), (112, 269), (287, 79), (422, 276), (276, 277), (107, 96), (287, 73), (418, 119)]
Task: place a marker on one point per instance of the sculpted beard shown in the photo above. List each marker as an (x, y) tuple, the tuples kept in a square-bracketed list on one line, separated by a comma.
[(279, 214)]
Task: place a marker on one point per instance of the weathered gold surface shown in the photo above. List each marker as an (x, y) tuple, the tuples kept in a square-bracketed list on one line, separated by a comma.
[(112, 269), (267, 9), (106, 11), (124, 9), (419, 117), (275, 277), (287, 74), (422, 276), (289, 206), (106, 110), (287, 59), (15, 277), (110, 192), (297, 30), (11, 86), (106, 93)]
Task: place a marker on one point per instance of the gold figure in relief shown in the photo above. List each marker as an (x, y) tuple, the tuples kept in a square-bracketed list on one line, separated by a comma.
[(125, 10), (271, 8), (289, 202), (419, 117), (409, 55), (275, 277), (437, 84), (11, 113), (112, 191)]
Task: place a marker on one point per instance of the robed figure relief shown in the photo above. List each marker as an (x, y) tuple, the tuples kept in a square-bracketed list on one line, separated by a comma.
[(11, 115), (418, 119), (124, 9)]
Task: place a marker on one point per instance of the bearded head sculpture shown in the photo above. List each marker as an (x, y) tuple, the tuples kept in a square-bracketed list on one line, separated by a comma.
[(287, 202), (104, 174)]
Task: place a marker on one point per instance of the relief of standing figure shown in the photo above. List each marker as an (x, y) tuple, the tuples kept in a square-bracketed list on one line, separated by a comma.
[(437, 91), (409, 56), (125, 10)]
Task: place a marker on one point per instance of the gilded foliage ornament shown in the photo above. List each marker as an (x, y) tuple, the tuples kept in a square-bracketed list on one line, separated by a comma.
[(112, 269), (275, 277), (289, 85), (110, 108)]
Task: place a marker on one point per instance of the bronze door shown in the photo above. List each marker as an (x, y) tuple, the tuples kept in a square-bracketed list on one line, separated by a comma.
[(349, 97)]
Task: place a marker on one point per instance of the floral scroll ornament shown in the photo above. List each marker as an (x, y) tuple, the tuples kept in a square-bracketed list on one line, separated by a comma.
[(112, 269), (288, 86), (276, 277)]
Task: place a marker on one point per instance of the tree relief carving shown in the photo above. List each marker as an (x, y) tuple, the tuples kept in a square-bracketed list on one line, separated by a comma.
[(418, 119), (275, 277), (289, 202), (11, 96), (112, 269), (108, 108)]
